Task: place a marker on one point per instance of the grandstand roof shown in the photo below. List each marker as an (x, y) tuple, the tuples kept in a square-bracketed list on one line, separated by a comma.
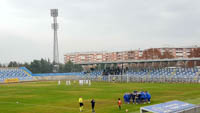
[(141, 61)]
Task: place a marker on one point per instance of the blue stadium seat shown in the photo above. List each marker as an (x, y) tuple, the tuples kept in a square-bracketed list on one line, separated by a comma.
[(11, 73), (166, 72)]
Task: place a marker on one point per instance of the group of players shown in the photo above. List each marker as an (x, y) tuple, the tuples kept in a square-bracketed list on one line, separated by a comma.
[(137, 97)]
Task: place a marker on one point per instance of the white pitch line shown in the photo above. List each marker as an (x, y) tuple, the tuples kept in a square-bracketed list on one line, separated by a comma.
[(86, 110), (38, 105)]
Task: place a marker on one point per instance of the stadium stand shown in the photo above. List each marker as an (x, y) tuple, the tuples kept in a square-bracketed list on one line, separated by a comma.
[(170, 72), (166, 72), (60, 74), (96, 73), (15, 74)]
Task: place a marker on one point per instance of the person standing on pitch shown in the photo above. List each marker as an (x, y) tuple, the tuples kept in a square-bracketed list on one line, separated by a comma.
[(81, 103), (93, 105), (119, 103)]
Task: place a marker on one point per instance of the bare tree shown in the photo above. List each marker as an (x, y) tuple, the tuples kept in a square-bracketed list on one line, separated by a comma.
[(194, 53), (151, 54)]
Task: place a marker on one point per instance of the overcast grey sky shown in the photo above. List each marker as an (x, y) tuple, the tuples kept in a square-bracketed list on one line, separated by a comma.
[(95, 25)]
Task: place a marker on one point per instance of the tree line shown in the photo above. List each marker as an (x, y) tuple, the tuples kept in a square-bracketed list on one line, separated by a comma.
[(154, 53), (45, 66)]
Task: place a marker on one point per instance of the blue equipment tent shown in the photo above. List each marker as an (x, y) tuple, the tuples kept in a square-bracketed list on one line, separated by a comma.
[(168, 107)]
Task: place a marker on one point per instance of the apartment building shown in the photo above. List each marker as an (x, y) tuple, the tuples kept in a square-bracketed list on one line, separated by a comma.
[(82, 57)]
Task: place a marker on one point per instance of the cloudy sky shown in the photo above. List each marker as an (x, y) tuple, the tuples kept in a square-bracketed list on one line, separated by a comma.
[(95, 25)]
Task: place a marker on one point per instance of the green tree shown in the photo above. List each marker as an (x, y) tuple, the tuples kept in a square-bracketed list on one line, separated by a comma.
[(46, 66), (35, 66), (13, 64), (77, 68), (61, 68), (68, 67)]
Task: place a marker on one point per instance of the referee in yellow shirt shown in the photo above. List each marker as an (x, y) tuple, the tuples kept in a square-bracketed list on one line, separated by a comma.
[(81, 103)]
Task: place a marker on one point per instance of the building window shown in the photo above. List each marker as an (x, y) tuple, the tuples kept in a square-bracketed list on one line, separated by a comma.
[(99, 56), (179, 54), (82, 57)]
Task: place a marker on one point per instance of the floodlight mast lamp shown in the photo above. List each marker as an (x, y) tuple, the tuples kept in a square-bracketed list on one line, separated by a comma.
[(54, 14)]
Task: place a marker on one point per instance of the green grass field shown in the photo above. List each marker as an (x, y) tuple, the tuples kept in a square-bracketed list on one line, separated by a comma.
[(48, 97)]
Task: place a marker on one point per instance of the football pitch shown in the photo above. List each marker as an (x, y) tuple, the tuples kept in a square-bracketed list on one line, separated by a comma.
[(49, 97)]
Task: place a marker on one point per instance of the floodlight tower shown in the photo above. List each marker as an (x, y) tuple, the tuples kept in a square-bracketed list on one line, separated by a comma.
[(54, 14)]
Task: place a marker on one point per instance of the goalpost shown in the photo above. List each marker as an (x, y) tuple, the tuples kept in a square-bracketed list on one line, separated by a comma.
[(118, 78)]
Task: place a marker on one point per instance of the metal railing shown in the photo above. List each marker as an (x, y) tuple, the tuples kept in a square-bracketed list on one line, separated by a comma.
[(125, 78)]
